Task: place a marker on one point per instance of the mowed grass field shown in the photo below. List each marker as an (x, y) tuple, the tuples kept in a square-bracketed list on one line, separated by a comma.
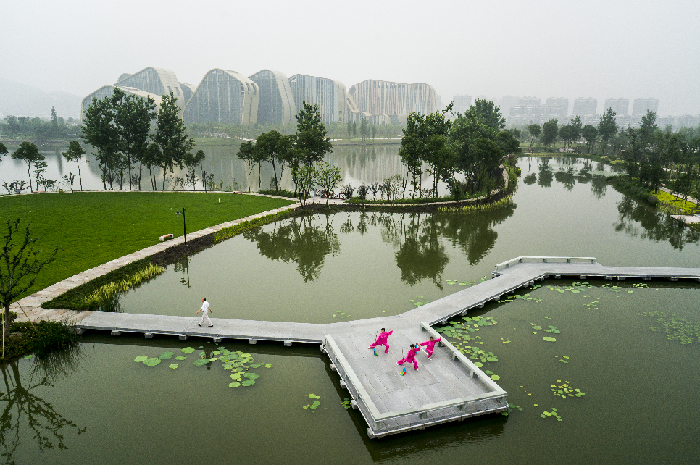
[(93, 228)]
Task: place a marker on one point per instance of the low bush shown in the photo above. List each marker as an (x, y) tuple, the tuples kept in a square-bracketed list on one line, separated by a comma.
[(40, 338)]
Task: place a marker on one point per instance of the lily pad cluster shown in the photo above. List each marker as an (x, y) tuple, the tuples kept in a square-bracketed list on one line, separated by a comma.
[(346, 403), (238, 362), (461, 335), (564, 390), (676, 328), (526, 297), (315, 404), (552, 413), (341, 315)]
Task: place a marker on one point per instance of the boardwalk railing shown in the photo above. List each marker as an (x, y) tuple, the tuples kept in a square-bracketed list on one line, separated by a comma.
[(543, 259)]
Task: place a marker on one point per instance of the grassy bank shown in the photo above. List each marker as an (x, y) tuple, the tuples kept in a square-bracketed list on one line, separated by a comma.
[(93, 228)]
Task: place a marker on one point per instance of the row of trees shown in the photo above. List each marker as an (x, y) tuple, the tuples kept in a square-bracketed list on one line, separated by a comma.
[(574, 131), (299, 151), (129, 134), (38, 129), (472, 146)]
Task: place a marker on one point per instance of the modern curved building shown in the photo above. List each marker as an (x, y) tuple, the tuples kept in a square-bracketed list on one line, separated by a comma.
[(224, 97), (187, 91), (393, 98), (329, 95), (155, 81), (106, 91), (276, 102)]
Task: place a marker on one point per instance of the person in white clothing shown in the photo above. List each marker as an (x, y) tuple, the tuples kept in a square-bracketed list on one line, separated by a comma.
[(205, 311)]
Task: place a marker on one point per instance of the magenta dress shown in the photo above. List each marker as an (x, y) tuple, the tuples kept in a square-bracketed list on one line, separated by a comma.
[(430, 345), (410, 358), (382, 341)]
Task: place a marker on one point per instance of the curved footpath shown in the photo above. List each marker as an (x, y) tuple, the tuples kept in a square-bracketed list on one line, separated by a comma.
[(447, 387)]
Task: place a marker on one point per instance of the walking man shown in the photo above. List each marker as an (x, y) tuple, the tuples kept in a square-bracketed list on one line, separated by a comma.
[(205, 311)]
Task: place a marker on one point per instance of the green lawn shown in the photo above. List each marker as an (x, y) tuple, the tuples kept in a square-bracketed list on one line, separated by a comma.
[(96, 227)]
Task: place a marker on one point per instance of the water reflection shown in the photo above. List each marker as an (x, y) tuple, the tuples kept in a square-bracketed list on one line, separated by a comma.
[(419, 240), (182, 265), (300, 240), (26, 415), (638, 220)]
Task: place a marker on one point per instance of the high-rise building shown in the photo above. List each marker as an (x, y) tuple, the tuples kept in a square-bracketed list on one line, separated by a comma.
[(224, 97), (585, 107), (461, 103), (393, 98), (640, 106), (155, 81), (329, 95), (508, 102), (558, 107), (531, 101), (276, 102), (619, 105)]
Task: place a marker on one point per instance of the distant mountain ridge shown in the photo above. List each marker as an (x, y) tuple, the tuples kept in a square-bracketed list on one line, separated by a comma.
[(21, 100)]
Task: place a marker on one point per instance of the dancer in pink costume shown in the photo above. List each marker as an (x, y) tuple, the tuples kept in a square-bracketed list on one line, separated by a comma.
[(410, 357), (382, 340), (430, 345)]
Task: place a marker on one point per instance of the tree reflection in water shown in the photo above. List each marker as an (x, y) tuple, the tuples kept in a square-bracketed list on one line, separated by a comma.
[(654, 224), (26, 416), (298, 241)]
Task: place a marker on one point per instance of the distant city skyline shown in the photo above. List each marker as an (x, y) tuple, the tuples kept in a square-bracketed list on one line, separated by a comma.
[(590, 48)]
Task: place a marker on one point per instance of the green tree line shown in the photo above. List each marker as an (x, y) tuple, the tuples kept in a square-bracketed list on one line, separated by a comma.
[(466, 153)]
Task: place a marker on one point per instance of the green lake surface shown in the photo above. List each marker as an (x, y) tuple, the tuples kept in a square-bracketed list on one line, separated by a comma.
[(641, 400)]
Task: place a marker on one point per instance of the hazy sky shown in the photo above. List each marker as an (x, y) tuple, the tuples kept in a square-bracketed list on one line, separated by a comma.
[(587, 48)]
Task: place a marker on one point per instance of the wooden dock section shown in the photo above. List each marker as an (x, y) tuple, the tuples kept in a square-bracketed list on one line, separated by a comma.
[(448, 387)]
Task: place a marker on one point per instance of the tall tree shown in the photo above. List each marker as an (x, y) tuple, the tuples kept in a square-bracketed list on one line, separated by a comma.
[(549, 132), (3, 150), (590, 134), (576, 127), (74, 153), (29, 153), (133, 118), (535, 130), (425, 140), (171, 136), (607, 127), (310, 141), (100, 130), (275, 148), (20, 263), (488, 113)]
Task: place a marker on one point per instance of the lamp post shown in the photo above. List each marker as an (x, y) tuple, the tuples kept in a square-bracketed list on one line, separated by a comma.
[(184, 222)]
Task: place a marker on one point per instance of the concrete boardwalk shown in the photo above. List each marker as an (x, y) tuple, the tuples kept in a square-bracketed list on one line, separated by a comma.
[(447, 387)]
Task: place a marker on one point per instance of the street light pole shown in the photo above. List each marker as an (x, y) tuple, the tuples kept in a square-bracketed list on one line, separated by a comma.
[(184, 223)]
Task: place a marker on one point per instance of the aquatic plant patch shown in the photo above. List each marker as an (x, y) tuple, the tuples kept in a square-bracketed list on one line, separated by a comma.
[(101, 297), (564, 390), (313, 405), (237, 362), (676, 328), (551, 413)]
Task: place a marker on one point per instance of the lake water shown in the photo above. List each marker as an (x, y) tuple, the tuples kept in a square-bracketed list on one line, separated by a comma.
[(641, 400), (358, 164)]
